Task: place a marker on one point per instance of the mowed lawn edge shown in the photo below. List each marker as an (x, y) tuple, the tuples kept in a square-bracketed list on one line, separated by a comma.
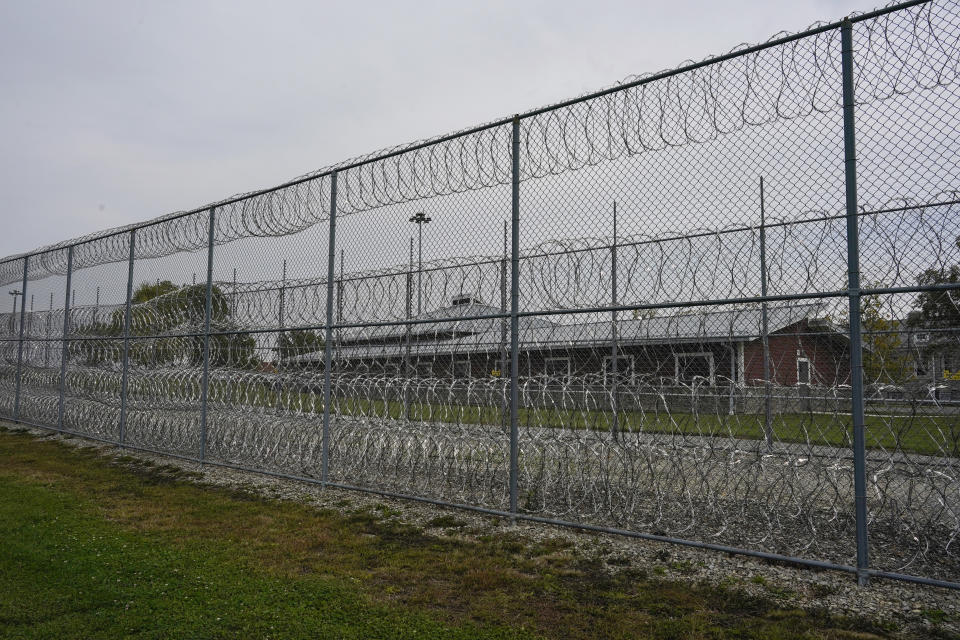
[(99, 547)]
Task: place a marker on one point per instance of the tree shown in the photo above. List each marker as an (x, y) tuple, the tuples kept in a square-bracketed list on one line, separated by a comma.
[(173, 313), (939, 312), (938, 309), (164, 307), (92, 351), (147, 291), (884, 359), (235, 350), (296, 342)]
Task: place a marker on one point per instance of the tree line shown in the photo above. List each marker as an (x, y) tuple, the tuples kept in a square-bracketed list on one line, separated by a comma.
[(177, 314)]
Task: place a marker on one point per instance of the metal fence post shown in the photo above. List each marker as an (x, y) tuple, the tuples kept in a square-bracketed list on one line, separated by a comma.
[(614, 340), (328, 333), (277, 384), (125, 365), (208, 312), (341, 288), (408, 333), (514, 317), (731, 409), (853, 291), (503, 365), (64, 356), (340, 291), (46, 333), (765, 326), (23, 309)]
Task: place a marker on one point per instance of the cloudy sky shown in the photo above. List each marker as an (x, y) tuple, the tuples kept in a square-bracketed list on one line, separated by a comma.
[(116, 112)]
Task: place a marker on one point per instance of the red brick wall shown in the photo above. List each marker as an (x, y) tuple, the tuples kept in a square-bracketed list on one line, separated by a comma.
[(829, 360)]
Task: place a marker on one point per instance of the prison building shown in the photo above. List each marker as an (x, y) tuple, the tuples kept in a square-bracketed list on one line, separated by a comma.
[(709, 348)]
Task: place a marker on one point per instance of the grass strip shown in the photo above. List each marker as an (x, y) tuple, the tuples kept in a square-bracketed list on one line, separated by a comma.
[(97, 548)]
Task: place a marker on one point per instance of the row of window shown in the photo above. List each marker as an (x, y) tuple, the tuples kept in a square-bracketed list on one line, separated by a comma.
[(688, 367)]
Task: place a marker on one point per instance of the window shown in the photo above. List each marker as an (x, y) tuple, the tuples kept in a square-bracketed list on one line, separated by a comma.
[(803, 371), (461, 368), (919, 369), (624, 369), (557, 368), (391, 369), (951, 366), (690, 367), (424, 369)]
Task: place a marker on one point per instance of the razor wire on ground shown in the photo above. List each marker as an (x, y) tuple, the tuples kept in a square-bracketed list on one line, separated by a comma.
[(693, 306)]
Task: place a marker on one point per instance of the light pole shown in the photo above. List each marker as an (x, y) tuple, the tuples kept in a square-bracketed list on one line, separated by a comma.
[(13, 317), (420, 218)]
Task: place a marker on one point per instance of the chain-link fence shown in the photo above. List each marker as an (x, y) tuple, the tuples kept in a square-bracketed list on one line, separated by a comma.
[(717, 305)]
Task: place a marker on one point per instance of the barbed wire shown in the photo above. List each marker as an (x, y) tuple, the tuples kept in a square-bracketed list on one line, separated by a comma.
[(803, 257), (662, 472)]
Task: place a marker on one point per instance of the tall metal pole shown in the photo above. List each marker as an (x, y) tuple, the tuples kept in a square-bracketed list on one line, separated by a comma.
[(853, 276), (419, 269), (13, 316), (340, 286), (514, 317), (733, 376), (614, 346), (23, 309), (765, 328), (47, 331), (328, 335), (283, 291), (65, 354), (207, 314), (125, 363), (277, 384), (420, 218), (408, 336), (30, 321), (504, 353), (340, 290)]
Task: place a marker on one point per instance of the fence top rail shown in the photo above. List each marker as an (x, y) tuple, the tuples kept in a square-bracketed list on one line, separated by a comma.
[(778, 40)]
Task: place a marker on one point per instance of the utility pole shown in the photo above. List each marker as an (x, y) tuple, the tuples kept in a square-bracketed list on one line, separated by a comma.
[(420, 218), (13, 317)]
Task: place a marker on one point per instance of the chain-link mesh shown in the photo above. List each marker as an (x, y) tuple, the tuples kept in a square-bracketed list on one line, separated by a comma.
[(682, 343)]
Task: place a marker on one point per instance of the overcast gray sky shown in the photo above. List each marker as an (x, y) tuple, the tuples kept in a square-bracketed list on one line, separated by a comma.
[(116, 112)]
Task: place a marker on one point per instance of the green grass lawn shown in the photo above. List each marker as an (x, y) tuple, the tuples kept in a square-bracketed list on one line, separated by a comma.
[(95, 548)]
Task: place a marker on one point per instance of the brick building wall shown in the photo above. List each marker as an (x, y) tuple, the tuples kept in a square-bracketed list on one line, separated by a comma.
[(826, 351)]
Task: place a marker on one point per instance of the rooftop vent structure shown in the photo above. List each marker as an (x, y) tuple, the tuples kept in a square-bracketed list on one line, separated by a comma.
[(464, 298)]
